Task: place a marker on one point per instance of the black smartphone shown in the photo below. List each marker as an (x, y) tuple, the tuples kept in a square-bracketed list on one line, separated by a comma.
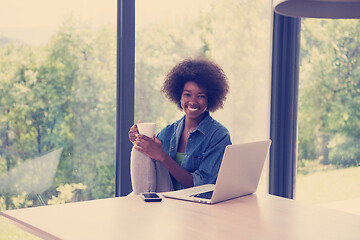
[(150, 197)]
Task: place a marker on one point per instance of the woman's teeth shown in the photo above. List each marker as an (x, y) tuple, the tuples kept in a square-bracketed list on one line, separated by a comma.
[(192, 109)]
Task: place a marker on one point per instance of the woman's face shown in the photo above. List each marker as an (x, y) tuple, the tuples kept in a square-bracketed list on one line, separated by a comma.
[(194, 101)]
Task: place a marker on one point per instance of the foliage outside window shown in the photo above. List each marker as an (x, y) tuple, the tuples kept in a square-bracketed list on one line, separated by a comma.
[(329, 102), (60, 95)]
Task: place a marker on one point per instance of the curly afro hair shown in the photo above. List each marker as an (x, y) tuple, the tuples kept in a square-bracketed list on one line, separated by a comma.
[(205, 73)]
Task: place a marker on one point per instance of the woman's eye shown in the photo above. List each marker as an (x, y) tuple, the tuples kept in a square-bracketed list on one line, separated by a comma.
[(202, 96)]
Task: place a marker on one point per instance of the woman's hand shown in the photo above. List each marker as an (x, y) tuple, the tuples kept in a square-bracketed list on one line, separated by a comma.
[(151, 147), (133, 131)]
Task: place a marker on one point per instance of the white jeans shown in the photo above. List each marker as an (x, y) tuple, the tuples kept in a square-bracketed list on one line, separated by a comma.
[(148, 175)]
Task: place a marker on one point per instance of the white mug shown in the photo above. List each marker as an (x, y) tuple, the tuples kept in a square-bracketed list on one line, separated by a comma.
[(147, 128)]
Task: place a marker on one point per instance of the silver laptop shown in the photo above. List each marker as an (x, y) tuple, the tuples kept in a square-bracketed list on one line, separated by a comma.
[(238, 176)]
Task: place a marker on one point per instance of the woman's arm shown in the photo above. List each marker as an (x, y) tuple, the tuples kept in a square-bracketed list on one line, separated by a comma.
[(179, 173), (153, 149)]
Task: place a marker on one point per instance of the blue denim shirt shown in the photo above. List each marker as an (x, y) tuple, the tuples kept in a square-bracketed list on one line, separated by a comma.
[(204, 149)]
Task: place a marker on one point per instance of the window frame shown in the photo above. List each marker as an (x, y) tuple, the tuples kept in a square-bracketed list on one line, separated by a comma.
[(284, 105), (125, 87)]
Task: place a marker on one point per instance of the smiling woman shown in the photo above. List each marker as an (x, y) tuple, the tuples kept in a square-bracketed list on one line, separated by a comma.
[(190, 149), (167, 33)]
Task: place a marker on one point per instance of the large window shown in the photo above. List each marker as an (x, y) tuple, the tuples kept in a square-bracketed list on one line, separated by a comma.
[(58, 81), (57, 101), (235, 34), (329, 103)]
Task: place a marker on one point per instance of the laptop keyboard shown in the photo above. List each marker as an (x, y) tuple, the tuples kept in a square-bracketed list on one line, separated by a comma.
[(206, 195)]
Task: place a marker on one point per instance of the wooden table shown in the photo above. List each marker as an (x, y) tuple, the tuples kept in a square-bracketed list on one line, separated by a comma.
[(251, 217)]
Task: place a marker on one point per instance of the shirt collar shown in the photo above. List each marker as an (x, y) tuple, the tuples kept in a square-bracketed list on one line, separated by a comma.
[(205, 124), (203, 127)]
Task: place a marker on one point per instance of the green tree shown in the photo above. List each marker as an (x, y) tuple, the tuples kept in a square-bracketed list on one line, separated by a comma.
[(62, 95), (329, 91), (85, 60)]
